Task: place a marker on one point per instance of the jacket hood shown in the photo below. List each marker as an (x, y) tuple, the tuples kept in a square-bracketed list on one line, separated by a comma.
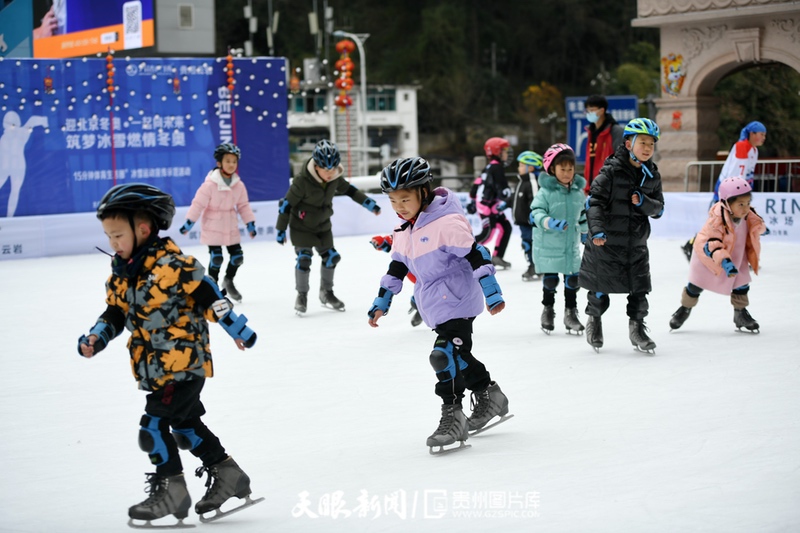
[(548, 181), (216, 176), (311, 168), (444, 203)]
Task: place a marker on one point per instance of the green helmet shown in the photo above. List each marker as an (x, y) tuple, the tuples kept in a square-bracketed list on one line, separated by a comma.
[(642, 126), (532, 159)]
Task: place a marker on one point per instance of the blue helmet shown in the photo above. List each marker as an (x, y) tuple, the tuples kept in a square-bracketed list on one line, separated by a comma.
[(405, 174), (227, 148), (642, 126), (326, 155)]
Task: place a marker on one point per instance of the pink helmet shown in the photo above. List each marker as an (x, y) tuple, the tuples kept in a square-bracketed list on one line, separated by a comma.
[(551, 154), (731, 187)]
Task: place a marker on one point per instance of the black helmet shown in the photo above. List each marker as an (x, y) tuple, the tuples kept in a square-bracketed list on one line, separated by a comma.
[(227, 148), (326, 155), (405, 174), (133, 197)]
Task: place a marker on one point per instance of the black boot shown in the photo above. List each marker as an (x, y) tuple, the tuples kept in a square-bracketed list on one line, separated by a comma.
[(571, 321), (742, 319), (301, 302), (230, 288), (638, 335), (168, 496), (548, 319), (679, 317), (594, 332)]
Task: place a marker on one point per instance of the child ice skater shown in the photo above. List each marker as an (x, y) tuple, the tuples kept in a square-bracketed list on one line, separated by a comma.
[(625, 194), (307, 209), (454, 276), (530, 165), (560, 219), (728, 244), (163, 298), (220, 200)]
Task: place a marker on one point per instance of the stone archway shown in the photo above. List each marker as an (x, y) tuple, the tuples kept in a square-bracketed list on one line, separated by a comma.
[(701, 42)]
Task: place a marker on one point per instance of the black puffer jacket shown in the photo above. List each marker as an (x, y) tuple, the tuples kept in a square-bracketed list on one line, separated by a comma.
[(622, 265)]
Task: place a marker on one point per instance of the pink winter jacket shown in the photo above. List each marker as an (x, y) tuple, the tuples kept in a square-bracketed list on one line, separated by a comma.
[(720, 233), (219, 204)]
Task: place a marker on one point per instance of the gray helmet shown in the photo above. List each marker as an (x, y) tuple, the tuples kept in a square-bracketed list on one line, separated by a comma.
[(405, 174), (326, 155), (133, 197), (227, 148)]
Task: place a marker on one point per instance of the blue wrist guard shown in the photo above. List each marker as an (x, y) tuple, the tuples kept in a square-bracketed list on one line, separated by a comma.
[(104, 333), (491, 291), (706, 250), (599, 235), (381, 303), (235, 326), (251, 228), (281, 236), (186, 226), (371, 205)]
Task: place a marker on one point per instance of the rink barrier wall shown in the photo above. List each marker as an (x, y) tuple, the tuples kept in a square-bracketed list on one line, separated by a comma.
[(79, 233)]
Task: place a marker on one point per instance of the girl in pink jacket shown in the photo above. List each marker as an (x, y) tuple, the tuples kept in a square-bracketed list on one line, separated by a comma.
[(219, 199), (725, 249)]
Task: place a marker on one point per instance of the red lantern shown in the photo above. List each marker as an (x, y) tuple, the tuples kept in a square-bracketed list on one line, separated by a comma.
[(345, 66)]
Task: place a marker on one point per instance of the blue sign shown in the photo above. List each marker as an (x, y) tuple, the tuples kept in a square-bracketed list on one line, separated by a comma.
[(15, 29), (622, 108), (64, 144)]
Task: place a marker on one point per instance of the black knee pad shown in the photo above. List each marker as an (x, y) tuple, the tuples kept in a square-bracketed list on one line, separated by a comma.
[(571, 282), (216, 257), (151, 439), (443, 361), (550, 282), (237, 256), (304, 260), (331, 258), (186, 438)]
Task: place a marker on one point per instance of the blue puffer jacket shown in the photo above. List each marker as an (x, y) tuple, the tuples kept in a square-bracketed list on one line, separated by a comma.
[(555, 250)]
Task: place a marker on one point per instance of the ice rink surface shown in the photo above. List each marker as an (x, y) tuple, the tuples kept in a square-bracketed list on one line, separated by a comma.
[(329, 417)]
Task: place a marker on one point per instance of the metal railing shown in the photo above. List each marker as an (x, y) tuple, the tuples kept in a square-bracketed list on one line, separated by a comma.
[(771, 175)]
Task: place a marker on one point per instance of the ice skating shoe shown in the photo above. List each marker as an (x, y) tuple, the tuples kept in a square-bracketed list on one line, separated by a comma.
[(594, 332), (230, 288), (687, 249), (530, 274), (329, 300), (452, 427), (168, 496), (742, 319), (500, 262), (548, 319), (679, 317), (301, 302), (416, 319), (571, 321), (638, 335), (485, 405), (225, 480)]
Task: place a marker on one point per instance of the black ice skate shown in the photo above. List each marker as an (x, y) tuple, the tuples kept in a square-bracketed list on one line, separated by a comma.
[(452, 428), (594, 332), (330, 301), (548, 319), (416, 320), (679, 317), (230, 288), (530, 274), (571, 321), (485, 405), (225, 480), (687, 249), (742, 319), (301, 303), (168, 496), (638, 335), (500, 262)]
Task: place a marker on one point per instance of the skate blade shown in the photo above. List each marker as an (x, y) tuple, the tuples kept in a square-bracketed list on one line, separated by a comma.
[(596, 348), (148, 524), (299, 313), (649, 351), (490, 426), (750, 331), (444, 451), (249, 502), (332, 308), (575, 332), (547, 331)]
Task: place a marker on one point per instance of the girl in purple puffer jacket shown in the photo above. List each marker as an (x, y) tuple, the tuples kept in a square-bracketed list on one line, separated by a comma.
[(454, 276)]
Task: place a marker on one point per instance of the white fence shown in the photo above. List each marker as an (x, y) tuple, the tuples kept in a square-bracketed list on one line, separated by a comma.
[(771, 175)]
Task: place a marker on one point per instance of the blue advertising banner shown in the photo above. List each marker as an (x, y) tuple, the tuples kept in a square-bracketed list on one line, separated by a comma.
[(15, 29), (622, 108), (63, 144)]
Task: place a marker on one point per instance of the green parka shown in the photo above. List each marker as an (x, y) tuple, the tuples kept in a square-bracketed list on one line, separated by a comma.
[(554, 250)]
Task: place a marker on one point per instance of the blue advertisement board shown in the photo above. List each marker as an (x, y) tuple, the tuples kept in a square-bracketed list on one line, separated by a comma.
[(63, 144), (15, 29), (622, 108)]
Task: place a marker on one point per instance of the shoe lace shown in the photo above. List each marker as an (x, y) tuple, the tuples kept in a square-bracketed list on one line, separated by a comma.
[(479, 403), (213, 474), (445, 421), (156, 484)]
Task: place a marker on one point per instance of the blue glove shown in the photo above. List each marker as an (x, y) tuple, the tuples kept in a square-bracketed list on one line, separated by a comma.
[(370, 204), (104, 333), (251, 228), (491, 291), (584, 238), (531, 221), (501, 206), (186, 227), (472, 208), (381, 303), (558, 225), (730, 270), (235, 327), (281, 236)]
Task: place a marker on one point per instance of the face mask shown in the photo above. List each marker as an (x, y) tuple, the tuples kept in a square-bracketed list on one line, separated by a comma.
[(592, 117)]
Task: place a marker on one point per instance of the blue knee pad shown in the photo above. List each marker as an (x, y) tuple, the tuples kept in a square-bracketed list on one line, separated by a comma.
[(443, 360), (550, 282), (186, 439), (216, 259), (237, 258), (571, 282), (526, 247), (151, 439), (331, 258), (304, 260)]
